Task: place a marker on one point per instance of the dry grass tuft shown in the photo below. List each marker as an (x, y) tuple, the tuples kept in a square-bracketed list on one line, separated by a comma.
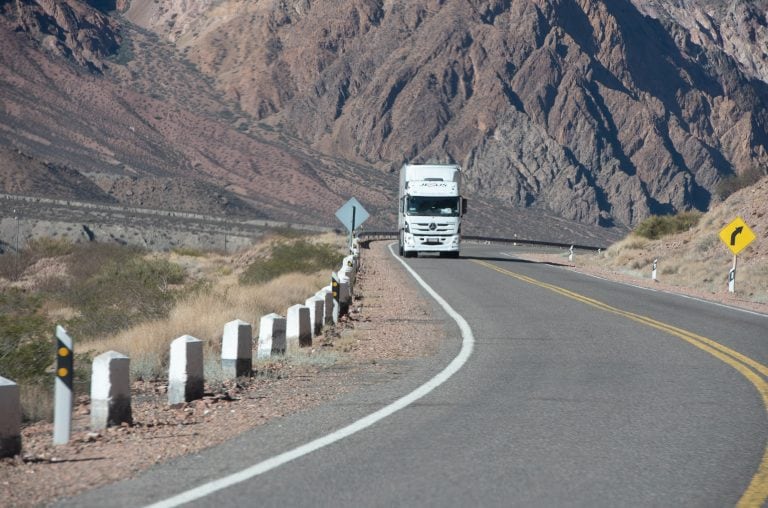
[(203, 316)]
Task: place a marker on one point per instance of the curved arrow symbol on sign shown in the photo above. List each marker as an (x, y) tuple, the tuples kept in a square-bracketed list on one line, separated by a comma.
[(736, 232)]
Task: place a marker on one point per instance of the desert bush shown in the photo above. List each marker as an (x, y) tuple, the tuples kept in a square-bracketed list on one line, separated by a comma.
[(734, 183), (27, 350), (657, 226), (87, 259), (188, 251), (288, 232), (26, 347), (707, 243), (13, 265), (123, 293), (670, 270), (300, 256), (635, 243), (49, 247)]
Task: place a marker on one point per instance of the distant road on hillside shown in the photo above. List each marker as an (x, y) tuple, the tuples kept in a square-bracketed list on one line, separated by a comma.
[(155, 229)]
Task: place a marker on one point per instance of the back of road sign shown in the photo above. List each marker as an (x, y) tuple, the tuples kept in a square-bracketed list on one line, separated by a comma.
[(352, 214)]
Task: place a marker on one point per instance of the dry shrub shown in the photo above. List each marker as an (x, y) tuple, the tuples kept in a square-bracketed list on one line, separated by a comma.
[(203, 316), (657, 226), (631, 242)]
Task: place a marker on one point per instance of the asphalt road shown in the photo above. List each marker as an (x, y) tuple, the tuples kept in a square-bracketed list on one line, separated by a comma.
[(570, 391)]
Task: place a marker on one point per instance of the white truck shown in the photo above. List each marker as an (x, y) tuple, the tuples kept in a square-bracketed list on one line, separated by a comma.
[(430, 208)]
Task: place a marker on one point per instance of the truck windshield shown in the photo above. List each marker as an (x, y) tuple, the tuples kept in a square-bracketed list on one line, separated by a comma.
[(431, 205)]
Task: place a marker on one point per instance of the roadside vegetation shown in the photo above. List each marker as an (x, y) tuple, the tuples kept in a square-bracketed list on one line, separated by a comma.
[(735, 183), (113, 297), (657, 226), (690, 253)]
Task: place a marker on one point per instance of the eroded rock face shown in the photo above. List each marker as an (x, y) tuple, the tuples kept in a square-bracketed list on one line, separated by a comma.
[(72, 29), (737, 27), (601, 110)]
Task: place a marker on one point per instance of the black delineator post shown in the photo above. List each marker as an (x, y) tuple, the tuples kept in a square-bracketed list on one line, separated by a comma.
[(336, 290), (62, 413), (335, 286)]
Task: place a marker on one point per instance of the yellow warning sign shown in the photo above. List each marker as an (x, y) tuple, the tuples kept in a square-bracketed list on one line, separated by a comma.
[(737, 235)]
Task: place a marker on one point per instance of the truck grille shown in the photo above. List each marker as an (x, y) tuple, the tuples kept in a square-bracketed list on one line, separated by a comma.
[(430, 228)]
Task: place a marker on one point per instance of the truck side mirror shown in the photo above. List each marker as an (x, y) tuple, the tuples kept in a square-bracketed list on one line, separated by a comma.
[(463, 206)]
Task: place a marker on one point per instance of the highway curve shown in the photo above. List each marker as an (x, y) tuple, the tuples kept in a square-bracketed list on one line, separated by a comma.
[(569, 391)]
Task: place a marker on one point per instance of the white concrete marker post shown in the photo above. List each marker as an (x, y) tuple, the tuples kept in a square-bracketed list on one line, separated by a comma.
[(316, 306), (185, 372), (570, 255), (110, 390), (298, 330), (653, 271), (62, 409), (271, 336), (350, 265), (10, 418), (345, 296), (328, 309), (237, 349)]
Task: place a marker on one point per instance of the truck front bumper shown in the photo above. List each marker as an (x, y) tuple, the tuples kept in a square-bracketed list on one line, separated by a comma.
[(431, 243)]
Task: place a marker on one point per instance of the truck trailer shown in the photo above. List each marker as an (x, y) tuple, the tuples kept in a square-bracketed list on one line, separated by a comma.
[(430, 208)]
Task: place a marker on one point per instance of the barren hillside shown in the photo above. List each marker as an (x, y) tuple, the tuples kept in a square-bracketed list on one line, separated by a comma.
[(697, 258), (138, 115), (565, 114), (601, 111)]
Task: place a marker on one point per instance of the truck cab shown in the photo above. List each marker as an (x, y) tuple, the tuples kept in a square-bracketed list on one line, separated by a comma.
[(430, 209)]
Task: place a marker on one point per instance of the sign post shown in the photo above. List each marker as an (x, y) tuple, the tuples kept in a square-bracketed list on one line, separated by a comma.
[(736, 236), (352, 215)]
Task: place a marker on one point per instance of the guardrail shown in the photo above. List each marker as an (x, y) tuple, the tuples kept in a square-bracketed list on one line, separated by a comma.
[(110, 381), (367, 236)]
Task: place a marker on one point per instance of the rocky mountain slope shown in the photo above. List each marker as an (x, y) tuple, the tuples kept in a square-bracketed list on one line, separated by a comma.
[(115, 106), (737, 28), (559, 110), (601, 111), (146, 128)]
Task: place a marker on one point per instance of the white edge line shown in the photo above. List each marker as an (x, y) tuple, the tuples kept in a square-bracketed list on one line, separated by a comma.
[(452, 368), (671, 293)]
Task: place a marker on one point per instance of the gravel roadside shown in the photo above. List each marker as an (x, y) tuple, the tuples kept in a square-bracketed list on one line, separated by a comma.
[(389, 321), (593, 269)]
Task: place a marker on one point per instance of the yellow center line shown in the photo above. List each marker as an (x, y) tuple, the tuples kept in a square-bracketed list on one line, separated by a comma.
[(757, 491)]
